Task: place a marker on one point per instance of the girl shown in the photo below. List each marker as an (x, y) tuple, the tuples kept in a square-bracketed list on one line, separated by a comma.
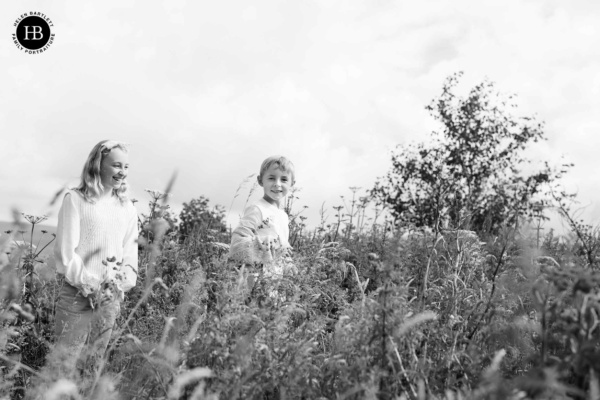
[(95, 251)]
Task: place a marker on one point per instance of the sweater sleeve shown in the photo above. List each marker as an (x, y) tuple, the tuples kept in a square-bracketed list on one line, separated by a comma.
[(68, 262), (242, 238), (249, 223), (130, 252)]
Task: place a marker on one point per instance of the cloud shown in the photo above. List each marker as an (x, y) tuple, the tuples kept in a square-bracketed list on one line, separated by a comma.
[(211, 89)]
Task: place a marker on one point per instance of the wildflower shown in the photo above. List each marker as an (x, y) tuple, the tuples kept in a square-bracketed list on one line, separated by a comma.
[(264, 224), (157, 194), (33, 219)]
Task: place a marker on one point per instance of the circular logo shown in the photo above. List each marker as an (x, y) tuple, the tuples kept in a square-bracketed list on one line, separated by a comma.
[(33, 32)]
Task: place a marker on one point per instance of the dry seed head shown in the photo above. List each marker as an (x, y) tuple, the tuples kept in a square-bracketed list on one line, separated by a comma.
[(157, 194), (33, 219)]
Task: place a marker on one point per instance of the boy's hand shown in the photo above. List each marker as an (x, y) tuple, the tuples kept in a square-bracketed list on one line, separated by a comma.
[(259, 243), (267, 242)]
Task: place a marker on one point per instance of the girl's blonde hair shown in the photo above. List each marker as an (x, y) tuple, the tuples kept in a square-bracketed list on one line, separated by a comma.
[(91, 184)]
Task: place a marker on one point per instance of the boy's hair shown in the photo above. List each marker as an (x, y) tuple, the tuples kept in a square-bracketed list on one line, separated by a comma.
[(283, 163), (91, 184)]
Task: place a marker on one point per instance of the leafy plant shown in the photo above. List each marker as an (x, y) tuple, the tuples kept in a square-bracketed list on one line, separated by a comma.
[(472, 168)]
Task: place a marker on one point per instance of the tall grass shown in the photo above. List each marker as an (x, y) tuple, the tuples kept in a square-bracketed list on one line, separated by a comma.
[(374, 312)]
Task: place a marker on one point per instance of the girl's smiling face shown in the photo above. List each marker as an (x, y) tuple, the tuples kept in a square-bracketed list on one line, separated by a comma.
[(113, 169), (276, 184)]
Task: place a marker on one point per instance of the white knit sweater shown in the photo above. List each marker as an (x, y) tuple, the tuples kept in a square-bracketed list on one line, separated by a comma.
[(89, 234)]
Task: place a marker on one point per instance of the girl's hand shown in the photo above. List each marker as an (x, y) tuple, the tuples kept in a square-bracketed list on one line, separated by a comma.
[(106, 296), (110, 293), (88, 290)]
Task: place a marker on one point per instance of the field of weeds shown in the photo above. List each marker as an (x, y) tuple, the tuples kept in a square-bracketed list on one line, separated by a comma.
[(374, 312)]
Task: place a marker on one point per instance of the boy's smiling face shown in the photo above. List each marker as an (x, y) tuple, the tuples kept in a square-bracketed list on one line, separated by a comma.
[(276, 184)]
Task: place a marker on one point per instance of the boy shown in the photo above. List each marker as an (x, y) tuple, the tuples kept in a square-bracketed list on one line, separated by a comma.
[(262, 235)]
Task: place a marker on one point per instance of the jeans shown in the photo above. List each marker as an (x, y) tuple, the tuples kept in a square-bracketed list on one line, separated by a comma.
[(78, 324), (82, 336)]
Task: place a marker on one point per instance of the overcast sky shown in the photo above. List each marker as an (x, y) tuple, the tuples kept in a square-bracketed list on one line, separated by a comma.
[(212, 88)]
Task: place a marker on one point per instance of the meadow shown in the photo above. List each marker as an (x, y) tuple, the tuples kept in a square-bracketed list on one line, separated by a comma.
[(376, 311), (440, 282)]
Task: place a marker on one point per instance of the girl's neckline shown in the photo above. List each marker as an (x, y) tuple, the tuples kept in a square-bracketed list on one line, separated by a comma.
[(106, 199), (103, 199)]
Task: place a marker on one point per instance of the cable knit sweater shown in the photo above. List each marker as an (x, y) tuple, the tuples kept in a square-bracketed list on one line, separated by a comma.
[(89, 234)]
